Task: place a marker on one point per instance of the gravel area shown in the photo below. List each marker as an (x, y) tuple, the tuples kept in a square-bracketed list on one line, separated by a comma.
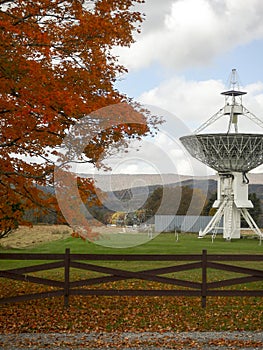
[(128, 340)]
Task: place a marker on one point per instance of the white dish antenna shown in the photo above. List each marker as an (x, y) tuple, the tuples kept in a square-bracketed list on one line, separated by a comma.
[(232, 155)]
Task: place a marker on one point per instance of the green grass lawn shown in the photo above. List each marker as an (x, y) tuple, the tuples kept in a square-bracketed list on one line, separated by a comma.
[(164, 243)]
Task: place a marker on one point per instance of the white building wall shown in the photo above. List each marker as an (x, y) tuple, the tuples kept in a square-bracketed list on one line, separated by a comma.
[(189, 223)]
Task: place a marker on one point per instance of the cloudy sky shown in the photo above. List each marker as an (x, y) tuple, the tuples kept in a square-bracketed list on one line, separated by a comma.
[(180, 63)]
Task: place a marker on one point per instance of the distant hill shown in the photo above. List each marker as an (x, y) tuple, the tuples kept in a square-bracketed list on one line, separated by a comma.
[(134, 197), (115, 182), (130, 192)]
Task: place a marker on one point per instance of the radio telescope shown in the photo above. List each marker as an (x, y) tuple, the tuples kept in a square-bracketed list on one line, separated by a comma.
[(232, 154)]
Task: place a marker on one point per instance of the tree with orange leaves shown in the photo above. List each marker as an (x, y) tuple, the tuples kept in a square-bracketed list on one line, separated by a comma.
[(56, 66)]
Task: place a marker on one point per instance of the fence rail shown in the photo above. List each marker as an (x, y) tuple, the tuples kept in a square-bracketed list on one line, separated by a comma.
[(203, 262)]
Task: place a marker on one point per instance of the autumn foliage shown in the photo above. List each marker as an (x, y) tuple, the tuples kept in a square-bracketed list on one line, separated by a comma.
[(56, 66)]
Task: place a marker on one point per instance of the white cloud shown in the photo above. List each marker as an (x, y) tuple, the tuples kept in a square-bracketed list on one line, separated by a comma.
[(188, 33), (191, 101), (160, 154)]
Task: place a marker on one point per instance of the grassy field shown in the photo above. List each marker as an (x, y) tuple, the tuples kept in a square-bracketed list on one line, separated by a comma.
[(165, 243), (98, 313)]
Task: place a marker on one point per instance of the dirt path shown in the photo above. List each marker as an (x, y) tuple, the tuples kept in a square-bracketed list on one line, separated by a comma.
[(133, 341)]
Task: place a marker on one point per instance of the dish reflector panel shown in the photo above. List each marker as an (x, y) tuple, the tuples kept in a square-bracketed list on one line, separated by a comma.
[(226, 152)]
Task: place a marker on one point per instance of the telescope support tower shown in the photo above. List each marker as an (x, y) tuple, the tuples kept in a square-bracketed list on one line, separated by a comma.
[(232, 203)]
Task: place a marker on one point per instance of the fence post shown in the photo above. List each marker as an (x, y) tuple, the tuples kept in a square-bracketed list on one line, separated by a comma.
[(204, 277), (66, 277)]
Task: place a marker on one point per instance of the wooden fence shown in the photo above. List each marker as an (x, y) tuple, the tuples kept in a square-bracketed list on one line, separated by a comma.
[(96, 285)]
